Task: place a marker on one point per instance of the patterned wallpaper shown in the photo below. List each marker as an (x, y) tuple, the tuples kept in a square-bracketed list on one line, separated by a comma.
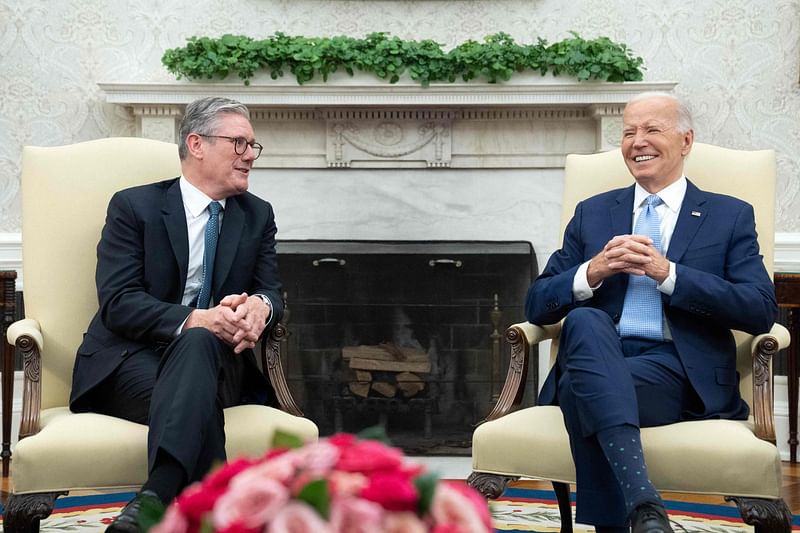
[(736, 61)]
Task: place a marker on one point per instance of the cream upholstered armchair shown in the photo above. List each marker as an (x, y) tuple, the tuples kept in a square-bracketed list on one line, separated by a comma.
[(65, 191), (737, 459)]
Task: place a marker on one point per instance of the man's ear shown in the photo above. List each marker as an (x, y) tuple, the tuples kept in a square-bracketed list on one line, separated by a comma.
[(688, 141), (194, 145)]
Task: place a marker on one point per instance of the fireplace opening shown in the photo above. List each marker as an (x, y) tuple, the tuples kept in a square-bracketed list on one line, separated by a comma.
[(407, 334)]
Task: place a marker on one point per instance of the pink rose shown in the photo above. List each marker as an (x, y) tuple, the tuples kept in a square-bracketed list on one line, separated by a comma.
[(393, 490), (344, 484), (368, 456), (250, 501), (197, 500), (403, 523), (457, 504), (173, 521), (297, 517), (353, 515)]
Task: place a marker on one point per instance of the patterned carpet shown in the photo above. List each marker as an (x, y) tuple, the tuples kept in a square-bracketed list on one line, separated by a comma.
[(523, 509), (518, 510)]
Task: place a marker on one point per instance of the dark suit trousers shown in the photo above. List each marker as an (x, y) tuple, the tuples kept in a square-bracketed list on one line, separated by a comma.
[(605, 381), (180, 392)]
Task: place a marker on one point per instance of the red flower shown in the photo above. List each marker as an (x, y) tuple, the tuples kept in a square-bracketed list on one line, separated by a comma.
[(367, 456), (393, 490)]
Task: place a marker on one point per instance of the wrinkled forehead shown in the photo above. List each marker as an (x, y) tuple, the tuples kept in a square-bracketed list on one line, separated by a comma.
[(650, 112)]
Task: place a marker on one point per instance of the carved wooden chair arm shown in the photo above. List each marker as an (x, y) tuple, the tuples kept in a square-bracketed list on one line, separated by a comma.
[(271, 363), (26, 335), (764, 347), (520, 337)]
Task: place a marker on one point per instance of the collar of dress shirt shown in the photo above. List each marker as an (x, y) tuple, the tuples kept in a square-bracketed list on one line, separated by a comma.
[(672, 195), (195, 201)]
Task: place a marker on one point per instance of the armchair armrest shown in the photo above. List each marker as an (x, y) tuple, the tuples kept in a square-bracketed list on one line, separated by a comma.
[(25, 327), (271, 365), (764, 347), (26, 335), (520, 336)]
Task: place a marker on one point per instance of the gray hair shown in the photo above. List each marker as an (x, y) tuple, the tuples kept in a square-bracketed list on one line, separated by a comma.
[(684, 121), (201, 117)]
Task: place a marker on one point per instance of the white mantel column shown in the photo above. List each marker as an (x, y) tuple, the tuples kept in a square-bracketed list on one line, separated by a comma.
[(608, 119), (158, 122)]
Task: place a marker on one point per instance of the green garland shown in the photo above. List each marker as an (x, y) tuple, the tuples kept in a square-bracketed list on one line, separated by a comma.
[(495, 59)]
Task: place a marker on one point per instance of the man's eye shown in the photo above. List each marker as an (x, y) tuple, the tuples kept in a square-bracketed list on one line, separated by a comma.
[(653, 131)]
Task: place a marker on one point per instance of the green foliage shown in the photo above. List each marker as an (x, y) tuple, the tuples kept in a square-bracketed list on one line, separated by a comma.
[(281, 439), (426, 487), (495, 59), (316, 495)]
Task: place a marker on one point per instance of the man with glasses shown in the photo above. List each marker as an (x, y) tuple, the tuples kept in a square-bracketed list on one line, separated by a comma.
[(187, 283)]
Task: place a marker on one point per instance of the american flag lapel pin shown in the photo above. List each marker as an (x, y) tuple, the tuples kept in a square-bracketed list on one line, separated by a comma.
[(695, 213)]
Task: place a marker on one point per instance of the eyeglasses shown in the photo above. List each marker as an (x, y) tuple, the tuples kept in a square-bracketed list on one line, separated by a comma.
[(240, 144)]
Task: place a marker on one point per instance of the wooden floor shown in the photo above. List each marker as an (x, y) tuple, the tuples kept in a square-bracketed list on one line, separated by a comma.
[(791, 489)]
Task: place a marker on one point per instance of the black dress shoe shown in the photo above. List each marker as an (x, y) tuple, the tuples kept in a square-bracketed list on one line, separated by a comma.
[(127, 521), (650, 518)]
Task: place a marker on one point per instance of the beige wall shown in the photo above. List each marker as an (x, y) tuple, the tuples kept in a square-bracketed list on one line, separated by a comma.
[(736, 61)]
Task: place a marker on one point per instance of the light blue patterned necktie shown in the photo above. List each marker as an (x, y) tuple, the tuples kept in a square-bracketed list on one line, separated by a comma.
[(211, 238), (642, 314)]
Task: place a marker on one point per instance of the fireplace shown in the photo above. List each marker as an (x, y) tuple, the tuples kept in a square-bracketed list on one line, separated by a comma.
[(401, 333)]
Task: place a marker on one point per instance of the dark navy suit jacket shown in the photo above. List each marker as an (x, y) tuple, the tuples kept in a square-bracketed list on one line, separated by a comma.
[(721, 285), (142, 263)]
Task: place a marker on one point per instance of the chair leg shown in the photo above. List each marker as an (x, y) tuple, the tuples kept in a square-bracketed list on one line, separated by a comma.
[(491, 486), (564, 507), (24, 511), (766, 516)]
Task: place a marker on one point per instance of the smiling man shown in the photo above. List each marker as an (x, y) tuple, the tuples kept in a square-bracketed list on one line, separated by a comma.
[(187, 283), (650, 280)]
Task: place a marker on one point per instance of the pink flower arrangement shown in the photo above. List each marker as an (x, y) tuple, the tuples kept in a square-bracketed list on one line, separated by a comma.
[(341, 484)]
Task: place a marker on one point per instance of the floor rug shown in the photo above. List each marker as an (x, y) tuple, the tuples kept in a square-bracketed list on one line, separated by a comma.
[(517, 510), (523, 509)]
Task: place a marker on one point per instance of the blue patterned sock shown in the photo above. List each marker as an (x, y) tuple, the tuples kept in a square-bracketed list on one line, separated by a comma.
[(622, 447)]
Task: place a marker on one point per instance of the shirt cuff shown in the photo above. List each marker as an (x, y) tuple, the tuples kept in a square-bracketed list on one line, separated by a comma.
[(668, 285), (580, 284), (267, 301)]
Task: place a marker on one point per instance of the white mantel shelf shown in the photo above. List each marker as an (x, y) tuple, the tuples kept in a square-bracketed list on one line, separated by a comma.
[(530, 121), (520, 91)]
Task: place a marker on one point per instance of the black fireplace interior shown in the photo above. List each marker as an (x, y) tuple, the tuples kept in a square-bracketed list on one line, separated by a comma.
[(401, 333)]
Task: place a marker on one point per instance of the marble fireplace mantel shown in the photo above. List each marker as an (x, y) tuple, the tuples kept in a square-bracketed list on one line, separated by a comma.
[(366, 160), (362, 122)]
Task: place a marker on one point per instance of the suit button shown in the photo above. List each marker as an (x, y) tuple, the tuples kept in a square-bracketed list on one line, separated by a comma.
[(124, 353), (616, 317)]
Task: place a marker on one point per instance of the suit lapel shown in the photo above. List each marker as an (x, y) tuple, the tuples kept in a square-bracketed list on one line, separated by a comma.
[(622, 212), (175, 222), (691, 217), (231, 233)]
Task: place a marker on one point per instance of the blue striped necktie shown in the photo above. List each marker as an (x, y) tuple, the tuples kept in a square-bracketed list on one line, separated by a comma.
[(642, 313), (211, 238)]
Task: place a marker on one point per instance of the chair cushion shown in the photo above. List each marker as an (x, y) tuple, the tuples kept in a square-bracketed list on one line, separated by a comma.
[(104, 452), (698, 457)]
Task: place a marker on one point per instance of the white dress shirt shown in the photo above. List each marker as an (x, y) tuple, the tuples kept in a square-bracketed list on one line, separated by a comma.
[(672, 199), (195, 205)]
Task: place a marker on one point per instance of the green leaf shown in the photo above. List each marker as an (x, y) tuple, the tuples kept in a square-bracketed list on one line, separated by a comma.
[(151, 512), (281, 439), (426, 487), (317, 496), (377, 432)]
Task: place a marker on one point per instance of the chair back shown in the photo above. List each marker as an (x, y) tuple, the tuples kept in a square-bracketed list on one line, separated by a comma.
[(65, 193), (748, 175)]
